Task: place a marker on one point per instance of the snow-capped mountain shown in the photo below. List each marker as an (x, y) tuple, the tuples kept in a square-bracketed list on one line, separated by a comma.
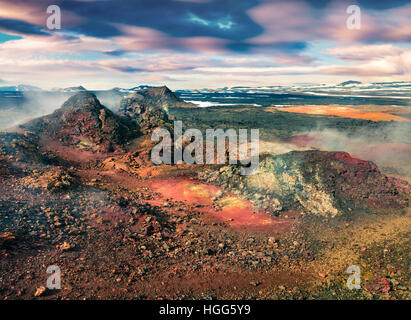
[(70, 89), (131, 90), (400, 90)]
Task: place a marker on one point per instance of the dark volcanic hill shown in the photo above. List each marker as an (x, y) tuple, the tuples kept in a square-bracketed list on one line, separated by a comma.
[(84, 123), (149, 107), (161, 97)]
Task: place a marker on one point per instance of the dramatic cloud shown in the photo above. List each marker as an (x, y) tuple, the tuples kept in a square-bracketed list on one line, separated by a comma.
[(372, 60), (202, 42)]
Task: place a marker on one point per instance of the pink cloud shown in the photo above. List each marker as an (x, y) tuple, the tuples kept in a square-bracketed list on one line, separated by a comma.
[(37, 46), (140, 39), (296, 21), (35, 12), (283, 21), (365, 52), (205, 45), (372, 60)]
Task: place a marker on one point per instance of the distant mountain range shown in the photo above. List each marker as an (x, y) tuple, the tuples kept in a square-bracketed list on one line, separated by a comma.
[(20, 88), (399, 89), (80, 88), (122, 90)]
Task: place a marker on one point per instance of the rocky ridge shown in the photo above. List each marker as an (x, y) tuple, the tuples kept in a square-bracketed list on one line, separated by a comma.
[(149, 107), (316, 182)]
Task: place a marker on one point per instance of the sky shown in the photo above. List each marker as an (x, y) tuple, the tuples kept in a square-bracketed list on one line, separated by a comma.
[(193, 44)]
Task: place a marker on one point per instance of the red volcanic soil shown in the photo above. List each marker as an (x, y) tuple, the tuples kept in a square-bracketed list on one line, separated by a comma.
[(70, 154), (231, 209), (180, 189), (341, 111), (362, 182), (347, 159), (216, 205)]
